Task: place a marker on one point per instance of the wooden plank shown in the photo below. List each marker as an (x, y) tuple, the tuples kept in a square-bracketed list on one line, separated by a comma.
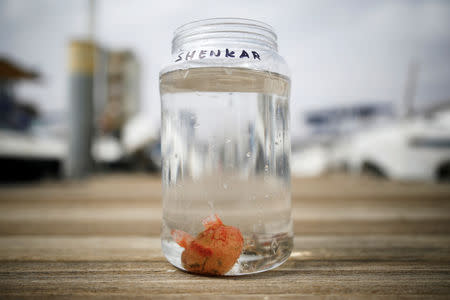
[(154, 201), (141, 188), (152, 227), (154, 278), (374, 247), (302, 210)]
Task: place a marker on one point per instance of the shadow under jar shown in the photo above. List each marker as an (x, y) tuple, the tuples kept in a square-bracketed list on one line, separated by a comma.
[(226, 149)]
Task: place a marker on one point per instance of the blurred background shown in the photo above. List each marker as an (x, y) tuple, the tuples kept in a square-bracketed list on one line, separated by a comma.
[(370, 84)]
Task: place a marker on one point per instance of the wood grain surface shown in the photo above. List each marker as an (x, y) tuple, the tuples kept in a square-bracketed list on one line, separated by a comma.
[(354, 238)]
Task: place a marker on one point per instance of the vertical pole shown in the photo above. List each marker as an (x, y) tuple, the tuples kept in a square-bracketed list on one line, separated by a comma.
[(91, 19), (81, 62), (410, 90)]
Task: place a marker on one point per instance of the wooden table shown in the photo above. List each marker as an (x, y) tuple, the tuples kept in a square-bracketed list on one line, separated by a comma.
[(355, 237)]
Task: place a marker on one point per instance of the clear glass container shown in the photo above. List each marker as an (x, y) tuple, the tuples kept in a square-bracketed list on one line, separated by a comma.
[(226, 149)]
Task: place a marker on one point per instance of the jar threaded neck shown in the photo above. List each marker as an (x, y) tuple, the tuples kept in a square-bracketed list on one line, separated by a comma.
[(225, 30)]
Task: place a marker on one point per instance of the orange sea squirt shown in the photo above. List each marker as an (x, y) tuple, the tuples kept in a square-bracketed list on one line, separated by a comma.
[(214, 251)]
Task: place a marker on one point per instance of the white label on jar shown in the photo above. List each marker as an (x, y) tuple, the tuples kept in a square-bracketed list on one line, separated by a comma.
[(217, 53)]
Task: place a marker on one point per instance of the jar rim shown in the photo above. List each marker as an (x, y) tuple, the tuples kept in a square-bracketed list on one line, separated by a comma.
[(253, 30)]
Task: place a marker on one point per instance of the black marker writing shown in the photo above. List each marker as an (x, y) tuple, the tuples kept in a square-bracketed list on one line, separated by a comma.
[(190, 55), (244, 54), (202, 54), (212, 53), (229, 53), (256, 55)]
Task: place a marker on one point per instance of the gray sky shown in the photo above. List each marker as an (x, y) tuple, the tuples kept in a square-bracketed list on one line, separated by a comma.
[(338, 51)]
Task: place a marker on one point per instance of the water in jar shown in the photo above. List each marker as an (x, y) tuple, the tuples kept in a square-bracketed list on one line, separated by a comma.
[(226, 147)]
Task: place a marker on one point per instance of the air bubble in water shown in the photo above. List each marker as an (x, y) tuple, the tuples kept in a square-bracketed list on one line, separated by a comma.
[(249, 154), (227, 141), (225, 186)]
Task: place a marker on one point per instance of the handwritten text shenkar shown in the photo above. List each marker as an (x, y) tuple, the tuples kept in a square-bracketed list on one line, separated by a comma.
[(201, 54)]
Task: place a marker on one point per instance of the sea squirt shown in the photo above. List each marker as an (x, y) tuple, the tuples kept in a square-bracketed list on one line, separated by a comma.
[(214, 251)]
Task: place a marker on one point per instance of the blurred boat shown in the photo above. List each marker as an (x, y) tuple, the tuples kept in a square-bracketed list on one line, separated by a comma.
[(416, 149), (407, 149), (26, 156)]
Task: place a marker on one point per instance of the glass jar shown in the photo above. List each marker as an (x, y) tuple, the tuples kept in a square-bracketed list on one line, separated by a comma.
[(225, 149)]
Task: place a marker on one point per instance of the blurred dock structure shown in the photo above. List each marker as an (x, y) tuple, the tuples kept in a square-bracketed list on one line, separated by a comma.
[(117, 104), (354, 237), (122, 91), (104, 98)]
